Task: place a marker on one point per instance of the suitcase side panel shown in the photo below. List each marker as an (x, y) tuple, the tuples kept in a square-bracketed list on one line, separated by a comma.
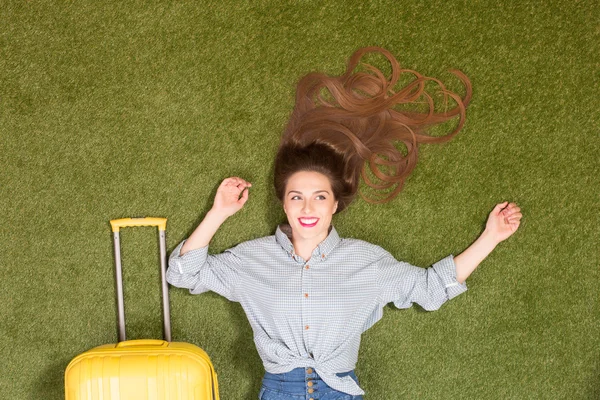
[(178, 371)]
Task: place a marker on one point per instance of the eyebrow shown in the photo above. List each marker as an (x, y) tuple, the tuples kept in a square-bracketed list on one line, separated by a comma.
[(315, 192)]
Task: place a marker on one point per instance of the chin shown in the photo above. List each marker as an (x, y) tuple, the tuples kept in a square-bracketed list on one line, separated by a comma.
[(314, 232)]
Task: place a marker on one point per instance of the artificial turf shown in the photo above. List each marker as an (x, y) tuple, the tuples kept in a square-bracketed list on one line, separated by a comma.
[(115, 109)]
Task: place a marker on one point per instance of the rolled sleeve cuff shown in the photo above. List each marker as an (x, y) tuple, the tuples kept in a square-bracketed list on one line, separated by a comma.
[(446, 270), (190, 262)]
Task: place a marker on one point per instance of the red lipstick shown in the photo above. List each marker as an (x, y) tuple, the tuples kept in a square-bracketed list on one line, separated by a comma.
[(303, 222)]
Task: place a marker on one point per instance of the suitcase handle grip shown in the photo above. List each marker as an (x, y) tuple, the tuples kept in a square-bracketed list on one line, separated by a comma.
[(117, 224), (143, 342)]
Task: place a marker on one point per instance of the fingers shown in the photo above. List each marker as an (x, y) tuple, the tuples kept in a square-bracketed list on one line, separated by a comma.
[(511, 210), (499, 207), (244, 198), (234, 180), (231, 196), (513, 222), (512, 214), (235, 187), (506, 208)]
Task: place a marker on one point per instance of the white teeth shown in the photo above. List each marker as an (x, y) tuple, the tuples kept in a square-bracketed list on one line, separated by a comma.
[(308, 221)]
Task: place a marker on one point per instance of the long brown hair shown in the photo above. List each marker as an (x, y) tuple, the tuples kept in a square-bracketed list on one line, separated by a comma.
[(342, 125)]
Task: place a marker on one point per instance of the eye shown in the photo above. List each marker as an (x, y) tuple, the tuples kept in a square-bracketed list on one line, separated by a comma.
[(295, 197), (320, 197)]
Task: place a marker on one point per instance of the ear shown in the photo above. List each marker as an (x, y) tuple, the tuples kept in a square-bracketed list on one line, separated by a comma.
[(335, 207)]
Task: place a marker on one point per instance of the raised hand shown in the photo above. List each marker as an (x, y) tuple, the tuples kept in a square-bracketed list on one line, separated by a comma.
[(503, 221), (227, 200)]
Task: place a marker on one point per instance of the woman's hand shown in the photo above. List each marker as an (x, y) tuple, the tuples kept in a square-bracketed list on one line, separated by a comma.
[(503, 221), (227, 200)]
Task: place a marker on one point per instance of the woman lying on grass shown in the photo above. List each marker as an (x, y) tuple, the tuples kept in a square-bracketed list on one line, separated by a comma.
[(309, 294)]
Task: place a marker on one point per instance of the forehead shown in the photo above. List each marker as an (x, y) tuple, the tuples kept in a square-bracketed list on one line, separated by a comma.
[(308, 181)]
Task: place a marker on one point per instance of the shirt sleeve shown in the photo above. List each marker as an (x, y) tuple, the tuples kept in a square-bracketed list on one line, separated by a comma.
[(405, 284), (200, 272)]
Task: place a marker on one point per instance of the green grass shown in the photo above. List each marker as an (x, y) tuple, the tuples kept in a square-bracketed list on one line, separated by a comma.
[(116, 109)]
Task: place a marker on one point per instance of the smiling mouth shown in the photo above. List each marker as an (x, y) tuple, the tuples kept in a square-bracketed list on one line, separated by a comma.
[(308, 222)]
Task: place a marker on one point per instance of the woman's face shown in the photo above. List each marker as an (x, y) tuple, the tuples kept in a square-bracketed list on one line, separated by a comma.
[(309, 205)]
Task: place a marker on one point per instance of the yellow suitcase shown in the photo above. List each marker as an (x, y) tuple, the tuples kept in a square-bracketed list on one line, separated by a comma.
[(142, 369)]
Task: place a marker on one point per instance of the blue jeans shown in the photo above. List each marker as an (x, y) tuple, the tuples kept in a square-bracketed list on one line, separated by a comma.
[(301, 384)]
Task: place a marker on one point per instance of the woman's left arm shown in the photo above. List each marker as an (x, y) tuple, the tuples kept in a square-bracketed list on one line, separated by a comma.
[(502, 222)]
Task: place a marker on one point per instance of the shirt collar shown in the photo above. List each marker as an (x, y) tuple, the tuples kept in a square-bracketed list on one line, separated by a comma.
[(283, 236)]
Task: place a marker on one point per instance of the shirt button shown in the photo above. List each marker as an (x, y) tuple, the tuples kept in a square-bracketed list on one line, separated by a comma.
[(306, 327), (322, 255), (306, 295), (307, 267)]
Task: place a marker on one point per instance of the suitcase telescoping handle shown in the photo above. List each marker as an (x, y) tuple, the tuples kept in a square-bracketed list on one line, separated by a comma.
[(161, 224)]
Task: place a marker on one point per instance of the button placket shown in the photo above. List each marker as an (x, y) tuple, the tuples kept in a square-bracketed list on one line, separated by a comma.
[(306, 311), (311, 386)]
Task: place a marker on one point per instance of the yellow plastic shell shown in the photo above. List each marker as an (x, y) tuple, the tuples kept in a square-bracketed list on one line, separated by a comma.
[(117, 224), (142, 369)]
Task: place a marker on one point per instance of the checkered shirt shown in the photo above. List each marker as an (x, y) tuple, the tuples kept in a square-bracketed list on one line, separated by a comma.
[(312, 313)]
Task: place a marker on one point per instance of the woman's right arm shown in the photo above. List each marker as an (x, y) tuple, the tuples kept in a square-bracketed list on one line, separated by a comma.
[(190, 265), (227, 202)]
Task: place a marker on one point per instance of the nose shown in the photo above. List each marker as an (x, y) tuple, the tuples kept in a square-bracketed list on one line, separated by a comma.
[(306, 207)]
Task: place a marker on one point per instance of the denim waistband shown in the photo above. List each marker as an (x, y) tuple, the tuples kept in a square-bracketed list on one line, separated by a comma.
[(297, 380)]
